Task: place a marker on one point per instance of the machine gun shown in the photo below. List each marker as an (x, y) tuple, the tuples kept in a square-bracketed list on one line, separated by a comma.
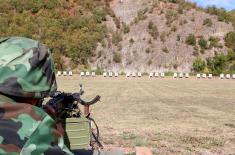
[(66, 110)]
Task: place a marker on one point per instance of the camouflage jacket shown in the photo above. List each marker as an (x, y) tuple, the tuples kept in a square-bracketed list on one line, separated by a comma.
[(28, 130)]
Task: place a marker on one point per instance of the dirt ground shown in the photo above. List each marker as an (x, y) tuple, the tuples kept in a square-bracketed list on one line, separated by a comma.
[(171, 116)]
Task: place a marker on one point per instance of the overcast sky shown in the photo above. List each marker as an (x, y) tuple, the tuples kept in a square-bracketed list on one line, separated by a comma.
[(227, 4)]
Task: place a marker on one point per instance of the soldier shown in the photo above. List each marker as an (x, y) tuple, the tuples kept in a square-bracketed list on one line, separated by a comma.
[(26, 77)]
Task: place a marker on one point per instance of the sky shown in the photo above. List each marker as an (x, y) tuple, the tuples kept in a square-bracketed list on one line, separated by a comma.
[(227, 4)]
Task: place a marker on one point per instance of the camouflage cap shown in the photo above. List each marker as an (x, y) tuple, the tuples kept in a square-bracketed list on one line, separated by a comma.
[(26, 68)]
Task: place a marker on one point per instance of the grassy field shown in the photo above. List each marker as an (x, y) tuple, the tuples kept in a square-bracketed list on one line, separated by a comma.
[(172, 116)]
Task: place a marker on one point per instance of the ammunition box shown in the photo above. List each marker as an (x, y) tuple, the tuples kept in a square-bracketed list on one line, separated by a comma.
[(77, 133)]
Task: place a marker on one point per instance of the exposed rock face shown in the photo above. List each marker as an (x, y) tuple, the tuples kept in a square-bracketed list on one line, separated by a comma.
[(139, 51)]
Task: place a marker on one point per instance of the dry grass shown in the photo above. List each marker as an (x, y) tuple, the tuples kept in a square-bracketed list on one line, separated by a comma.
[(173, 116)]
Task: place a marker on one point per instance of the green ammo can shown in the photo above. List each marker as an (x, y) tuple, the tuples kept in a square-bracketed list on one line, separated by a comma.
[(77, 133)]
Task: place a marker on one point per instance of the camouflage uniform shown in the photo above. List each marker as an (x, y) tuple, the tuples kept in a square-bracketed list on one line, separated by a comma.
[(26, 70)]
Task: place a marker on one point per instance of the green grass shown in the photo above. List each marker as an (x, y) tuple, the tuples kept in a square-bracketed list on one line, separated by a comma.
[(172, 116)]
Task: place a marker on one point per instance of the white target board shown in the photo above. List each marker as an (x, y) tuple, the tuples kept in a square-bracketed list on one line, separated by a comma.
[(87, 74), (175, 75), (210, 76), (104, 74), (162, 75), (64, 73), (139, 74), (186, 75), (181, 75), (221, 76), (70, 73), (228, 76), (59, 73), (110, 74), (82, 74), (156, 75), (198, 76)]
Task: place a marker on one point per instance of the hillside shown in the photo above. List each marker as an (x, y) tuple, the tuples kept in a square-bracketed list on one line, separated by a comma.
[(126, 35), (156, 40)]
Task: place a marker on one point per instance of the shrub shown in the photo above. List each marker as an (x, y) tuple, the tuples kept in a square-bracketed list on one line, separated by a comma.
[(230, 40), (117, 22), (207, 22), (191, 40), (131, 41), (116, 38), (165, 50), (117, 57), (141, 15), (153, 30), (126, 28), (148, 50), (163, 36), (174, 28), (170, 15), (199, 65), (231, 55), (180, 9), (214, 42), (178, 37), (217, 64), (203, 43), (99, 14), (150, 62)]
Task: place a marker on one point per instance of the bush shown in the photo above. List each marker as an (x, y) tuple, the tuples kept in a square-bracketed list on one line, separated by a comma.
[(230, 40), (131, 41), (163, 37), (153, 30), (217, 64), (203, 43), (148, 50), (170, 15), (199, 65), (150, 62), (117, 57), (116, 38), (99, 14), (214, 42), (126, 28), (174, 28), (191, 40), (117, 22), (141, 15), (178, 37), (165, 50), (207, 22)]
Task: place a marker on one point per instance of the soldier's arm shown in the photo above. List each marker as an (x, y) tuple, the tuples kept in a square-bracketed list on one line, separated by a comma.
[(46, 139)]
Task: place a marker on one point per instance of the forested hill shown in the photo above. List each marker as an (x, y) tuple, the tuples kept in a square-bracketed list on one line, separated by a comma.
[(69, 28), (126, 35)]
